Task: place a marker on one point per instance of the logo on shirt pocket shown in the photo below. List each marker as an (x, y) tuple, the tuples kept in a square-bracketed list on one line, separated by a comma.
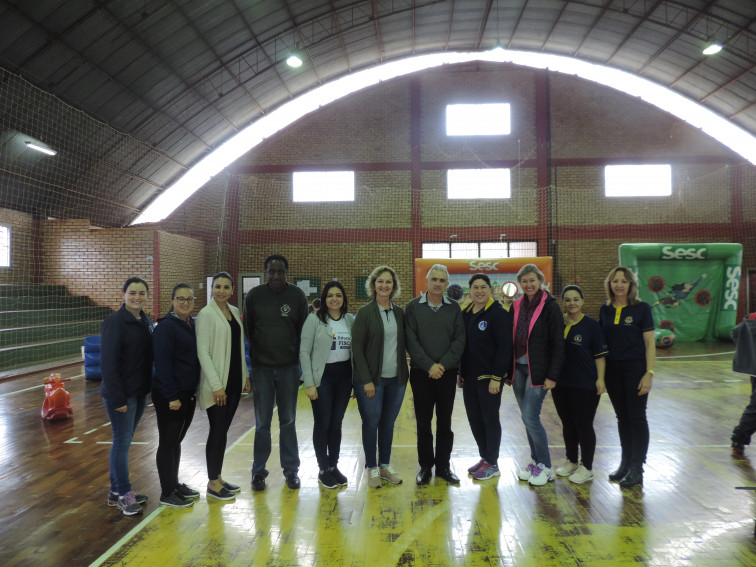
[(483, 325)]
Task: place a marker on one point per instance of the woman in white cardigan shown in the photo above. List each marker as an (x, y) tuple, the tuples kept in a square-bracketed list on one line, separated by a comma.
[(325, 354), (223, 378)]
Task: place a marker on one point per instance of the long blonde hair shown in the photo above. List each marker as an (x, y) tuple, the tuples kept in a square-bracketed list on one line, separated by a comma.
[(632, 293)]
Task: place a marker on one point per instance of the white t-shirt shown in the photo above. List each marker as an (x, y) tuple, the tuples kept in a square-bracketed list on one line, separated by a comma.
[(341, 348)]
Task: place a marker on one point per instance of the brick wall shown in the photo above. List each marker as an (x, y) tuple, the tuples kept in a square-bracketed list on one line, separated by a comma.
[(182, 260), (96, 263), (714, 195)]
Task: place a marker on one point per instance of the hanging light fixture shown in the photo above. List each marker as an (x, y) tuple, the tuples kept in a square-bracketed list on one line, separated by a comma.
[(712, 48), (294, 61)]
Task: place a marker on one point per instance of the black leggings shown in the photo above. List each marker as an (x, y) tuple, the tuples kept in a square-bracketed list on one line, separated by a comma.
[(577, 408), (172, 428), (220, 418), (622, 379)]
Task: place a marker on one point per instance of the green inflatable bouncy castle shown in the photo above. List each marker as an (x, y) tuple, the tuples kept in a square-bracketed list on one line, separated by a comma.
[(692, 288)]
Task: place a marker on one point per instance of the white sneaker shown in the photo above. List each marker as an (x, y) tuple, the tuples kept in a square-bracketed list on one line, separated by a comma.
[(566, 468), (541, 475), (581, 475), (527, 472)]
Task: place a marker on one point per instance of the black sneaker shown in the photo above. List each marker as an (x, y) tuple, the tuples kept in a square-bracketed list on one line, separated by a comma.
[(175, 500), (338, 476), (221, 494), (113, 498), (326, 479), (185, 492), (232, 488)]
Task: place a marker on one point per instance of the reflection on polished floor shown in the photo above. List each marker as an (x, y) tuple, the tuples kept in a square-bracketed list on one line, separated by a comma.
[(688, 512)]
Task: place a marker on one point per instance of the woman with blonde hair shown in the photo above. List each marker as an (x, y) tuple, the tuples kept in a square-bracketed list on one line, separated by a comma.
[(380, 371), (629, 331)]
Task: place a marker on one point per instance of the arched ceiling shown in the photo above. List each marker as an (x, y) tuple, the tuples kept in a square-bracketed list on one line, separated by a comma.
[(181, 76)]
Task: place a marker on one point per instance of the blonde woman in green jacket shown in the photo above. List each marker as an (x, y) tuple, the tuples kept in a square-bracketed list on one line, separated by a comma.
[(325, 353), (380, 372)]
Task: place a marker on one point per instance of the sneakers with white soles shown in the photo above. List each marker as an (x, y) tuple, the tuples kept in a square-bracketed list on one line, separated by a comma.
[(541, 475), (581, 475)]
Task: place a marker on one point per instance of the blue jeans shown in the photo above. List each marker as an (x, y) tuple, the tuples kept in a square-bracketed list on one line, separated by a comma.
[(279, 386), (379, 414), (530, 401), (123, 426), (328, 412)]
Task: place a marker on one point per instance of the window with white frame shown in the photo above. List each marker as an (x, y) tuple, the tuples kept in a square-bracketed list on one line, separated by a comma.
[(491, 249), (5, 244), (491, 119), (322, 186), (651, 180), (489, 183)]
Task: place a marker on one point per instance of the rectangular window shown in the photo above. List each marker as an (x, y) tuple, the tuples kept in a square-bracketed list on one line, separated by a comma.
[(478, 119), (478, 184), (638, 180), (494, 249), (322, 186), (5, 255)]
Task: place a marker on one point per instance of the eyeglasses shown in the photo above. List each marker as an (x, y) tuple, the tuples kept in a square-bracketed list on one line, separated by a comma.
[(182, 300)]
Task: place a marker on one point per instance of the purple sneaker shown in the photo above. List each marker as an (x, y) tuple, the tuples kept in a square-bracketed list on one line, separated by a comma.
[(486, 471)]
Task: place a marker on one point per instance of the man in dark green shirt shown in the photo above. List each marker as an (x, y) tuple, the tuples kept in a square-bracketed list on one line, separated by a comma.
[(274, 314)]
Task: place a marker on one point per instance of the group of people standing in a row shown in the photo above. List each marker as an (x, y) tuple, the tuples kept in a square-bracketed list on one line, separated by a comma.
[(534, 347)]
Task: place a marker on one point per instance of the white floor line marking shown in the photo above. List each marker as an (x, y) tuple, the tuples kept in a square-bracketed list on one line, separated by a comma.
[(666, 358), (139, 527), (73, 440), (104, 442), (105, 424), (90, 431), (31, 388)]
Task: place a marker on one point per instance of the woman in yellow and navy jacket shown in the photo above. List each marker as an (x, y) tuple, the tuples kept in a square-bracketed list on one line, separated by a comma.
[(485, 363)]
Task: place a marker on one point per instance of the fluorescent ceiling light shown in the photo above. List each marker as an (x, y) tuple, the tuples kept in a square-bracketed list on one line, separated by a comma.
[(293, 61), (712, 49), (725, 132), (39, 148)]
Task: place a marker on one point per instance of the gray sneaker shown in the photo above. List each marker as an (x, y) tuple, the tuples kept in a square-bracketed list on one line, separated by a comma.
[(128, 504), (113, 498)]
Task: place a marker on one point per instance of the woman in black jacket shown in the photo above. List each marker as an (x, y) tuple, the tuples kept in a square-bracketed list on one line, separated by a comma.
[(485, 363), (174, 392), (538, 353), (126, 380)]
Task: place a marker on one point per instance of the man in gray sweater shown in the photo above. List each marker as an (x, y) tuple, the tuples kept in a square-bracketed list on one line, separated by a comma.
[(274, 314), (435, 338)]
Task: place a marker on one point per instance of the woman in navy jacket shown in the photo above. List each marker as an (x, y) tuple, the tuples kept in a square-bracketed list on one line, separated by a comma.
[(485, 363), (126, 380), (538, 334), (174, 392)]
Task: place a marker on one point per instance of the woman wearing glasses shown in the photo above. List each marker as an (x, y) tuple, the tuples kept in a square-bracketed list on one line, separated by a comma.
[(223, 378), (174, 389)]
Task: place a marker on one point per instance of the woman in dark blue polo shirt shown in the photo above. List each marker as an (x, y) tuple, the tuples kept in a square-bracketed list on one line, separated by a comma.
[(629, 331), (580, 386)]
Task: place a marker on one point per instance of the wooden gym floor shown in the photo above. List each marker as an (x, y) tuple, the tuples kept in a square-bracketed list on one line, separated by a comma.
[(54, 481)]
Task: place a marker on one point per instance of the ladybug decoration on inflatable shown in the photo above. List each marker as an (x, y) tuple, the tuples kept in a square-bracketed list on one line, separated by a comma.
[(57, 403)]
